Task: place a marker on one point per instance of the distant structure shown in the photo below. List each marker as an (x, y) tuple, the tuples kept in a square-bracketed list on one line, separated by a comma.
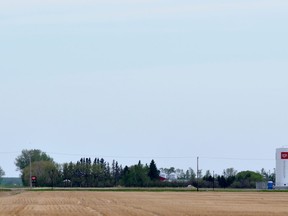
[(281, 168), (168, 177)]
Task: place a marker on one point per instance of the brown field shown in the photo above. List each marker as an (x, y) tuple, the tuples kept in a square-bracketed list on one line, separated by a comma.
[(83, 203)]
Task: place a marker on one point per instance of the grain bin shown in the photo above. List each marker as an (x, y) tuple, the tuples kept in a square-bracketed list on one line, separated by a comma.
[(281, 167)]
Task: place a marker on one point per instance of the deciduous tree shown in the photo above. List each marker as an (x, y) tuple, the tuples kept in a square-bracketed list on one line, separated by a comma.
[(247, 179), (2, 173), (23, 160), (47, 173), (35, 156)]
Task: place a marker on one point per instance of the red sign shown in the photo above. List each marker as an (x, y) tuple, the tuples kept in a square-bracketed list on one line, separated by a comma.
[(34, 178), (284, 155)]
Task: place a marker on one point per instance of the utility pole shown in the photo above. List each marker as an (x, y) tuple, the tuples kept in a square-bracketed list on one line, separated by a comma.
[(30, 171), (197, 173), (213, 181)]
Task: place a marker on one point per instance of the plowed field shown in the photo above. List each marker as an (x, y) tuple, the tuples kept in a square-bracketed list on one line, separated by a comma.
[(85, 203)]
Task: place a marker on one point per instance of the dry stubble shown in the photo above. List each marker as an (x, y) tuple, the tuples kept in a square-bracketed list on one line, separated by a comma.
[(143, 203)]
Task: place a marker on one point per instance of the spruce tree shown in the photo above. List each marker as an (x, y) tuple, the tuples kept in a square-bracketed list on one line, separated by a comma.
[(153, 171)]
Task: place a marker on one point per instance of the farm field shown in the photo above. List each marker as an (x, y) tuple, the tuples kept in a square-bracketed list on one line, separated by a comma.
[(36, 203)]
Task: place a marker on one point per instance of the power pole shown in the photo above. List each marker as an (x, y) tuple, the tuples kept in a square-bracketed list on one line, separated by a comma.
[(197, 173), (30, 171), (213, 181)]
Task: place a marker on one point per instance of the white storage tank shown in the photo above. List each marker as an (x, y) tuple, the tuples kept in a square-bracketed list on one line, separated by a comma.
[(281, 167)]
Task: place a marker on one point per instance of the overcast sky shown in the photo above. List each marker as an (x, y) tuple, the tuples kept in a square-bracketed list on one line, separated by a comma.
[(140, 79)]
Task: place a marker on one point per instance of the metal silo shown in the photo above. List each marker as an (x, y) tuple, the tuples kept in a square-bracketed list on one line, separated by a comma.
[(281, 167)]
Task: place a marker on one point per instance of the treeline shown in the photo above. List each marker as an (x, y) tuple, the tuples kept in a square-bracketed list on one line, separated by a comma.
[(91, 173), (87, 173), (97, 172), (230, 178)]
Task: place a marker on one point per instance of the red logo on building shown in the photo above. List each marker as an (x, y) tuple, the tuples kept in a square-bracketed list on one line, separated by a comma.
[(284, 155)]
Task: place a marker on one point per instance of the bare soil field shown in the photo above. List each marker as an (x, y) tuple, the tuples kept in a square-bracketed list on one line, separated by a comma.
[(32, 203)]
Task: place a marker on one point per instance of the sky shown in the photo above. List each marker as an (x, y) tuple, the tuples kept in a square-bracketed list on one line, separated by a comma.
[(142, 80)]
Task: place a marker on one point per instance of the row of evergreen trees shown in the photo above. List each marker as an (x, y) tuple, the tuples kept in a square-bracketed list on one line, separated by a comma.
[(100, 173), (85, 173)]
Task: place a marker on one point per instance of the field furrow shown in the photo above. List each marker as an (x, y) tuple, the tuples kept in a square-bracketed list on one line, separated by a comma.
[(88, 203)]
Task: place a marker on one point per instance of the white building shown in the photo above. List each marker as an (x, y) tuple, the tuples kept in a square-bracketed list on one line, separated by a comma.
[(281, 167)]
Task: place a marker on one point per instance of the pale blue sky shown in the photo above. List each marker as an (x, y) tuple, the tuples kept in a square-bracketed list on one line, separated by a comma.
[(129, 80)]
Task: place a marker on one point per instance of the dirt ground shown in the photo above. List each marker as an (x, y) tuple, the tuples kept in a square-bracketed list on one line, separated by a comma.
[(32, 203)]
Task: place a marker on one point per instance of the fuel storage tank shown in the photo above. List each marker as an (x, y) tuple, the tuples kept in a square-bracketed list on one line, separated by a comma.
[(281, 167)]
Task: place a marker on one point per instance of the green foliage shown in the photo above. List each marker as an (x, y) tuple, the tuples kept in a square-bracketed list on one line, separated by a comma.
[(136, 176), (153, 172), (47, 173), (41, 164), (247, 179), (2, 173), (116, 172), (98, 173), (225, 182), (208, 180), (84, 173), (23, 160)]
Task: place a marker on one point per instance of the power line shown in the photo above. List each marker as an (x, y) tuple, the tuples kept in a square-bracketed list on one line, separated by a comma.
[(15, 152), (247, 159), (148, 157), (162, 157)]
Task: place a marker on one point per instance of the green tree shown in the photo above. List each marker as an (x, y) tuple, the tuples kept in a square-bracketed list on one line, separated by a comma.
[(207, 174), (135, 176), (115, 172), (86, 173), (228, 177), (97, 174), (208, 179), (67, 174), (2, 173), (222, 181), (47, 173), (247, 179), (23, 160), (153, 172)]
